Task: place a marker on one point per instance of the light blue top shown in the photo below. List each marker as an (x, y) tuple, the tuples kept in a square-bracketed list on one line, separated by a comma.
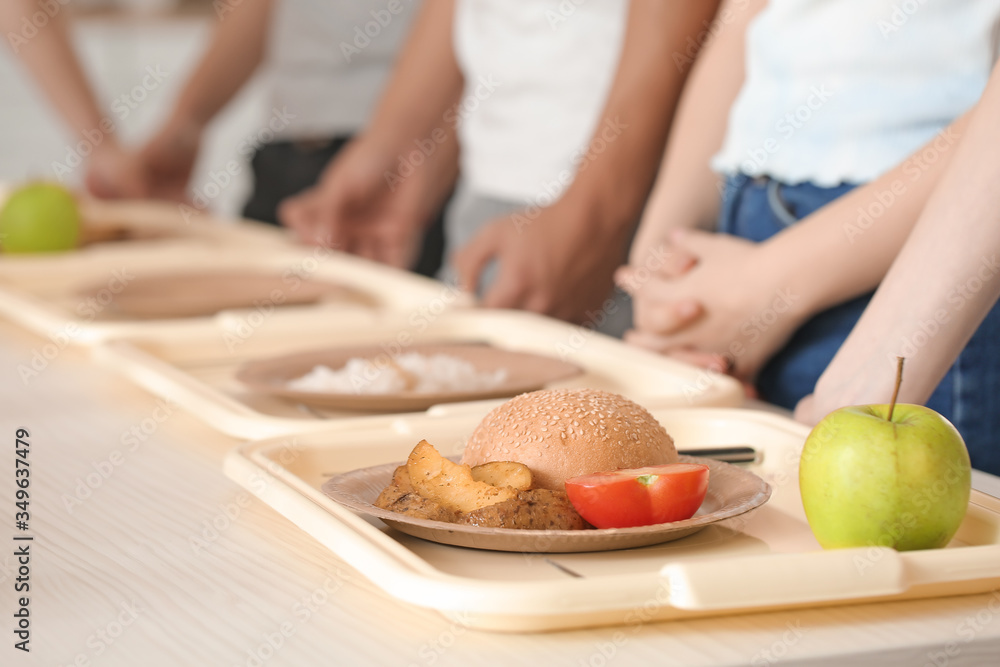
[(843, 90)]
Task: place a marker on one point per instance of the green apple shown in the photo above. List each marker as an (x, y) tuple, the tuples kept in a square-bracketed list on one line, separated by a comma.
[(885, 475), (40, 217)]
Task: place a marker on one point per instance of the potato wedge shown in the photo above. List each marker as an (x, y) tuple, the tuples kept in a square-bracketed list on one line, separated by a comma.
[(436, 478), (400, 496), (503, 473)]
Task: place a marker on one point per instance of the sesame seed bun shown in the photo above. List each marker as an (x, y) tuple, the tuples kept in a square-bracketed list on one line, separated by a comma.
[(562, 433)]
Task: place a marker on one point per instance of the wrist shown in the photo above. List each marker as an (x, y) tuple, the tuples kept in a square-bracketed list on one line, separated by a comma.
[(185, 124), (379, 149), (604, 216), (602, 221), (392, 139), (662, 214)]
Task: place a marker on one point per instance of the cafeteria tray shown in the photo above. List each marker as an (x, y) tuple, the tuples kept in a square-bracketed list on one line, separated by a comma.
[(764, 560), (45, 296), (197, 368), (124, 227)]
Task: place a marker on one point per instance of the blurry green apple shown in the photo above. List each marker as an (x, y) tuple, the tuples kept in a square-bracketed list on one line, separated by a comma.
[(40, 217), (885, 475)]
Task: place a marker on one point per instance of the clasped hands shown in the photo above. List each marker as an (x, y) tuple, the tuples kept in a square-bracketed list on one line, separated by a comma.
[(712, 300)]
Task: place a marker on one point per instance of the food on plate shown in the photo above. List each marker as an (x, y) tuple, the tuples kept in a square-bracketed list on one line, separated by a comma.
[(400, 496), (96, 231), (535, 509), (431, 486), (639, 496), (563, 433), (554, 460), (408, 372), (39, 217), (894, 475), (451, 484), (503, 473)]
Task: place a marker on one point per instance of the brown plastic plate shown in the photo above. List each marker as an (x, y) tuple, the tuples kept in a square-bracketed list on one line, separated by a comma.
[(525, 372), (197, 293), (732, 491)]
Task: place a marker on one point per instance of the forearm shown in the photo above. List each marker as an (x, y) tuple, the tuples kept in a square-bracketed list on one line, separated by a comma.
[(50, 58), (945, 280), (234, 54), (687, 192), (426, 82), (437, 176), (615, 176), (844, 250)]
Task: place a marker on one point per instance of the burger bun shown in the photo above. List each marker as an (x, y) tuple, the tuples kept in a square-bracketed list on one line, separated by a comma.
[(563, 433)]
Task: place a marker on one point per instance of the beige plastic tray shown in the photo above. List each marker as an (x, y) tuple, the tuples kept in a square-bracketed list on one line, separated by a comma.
[(761, 561), (175, 223), (196, 367), (43, 295), (159, 225)]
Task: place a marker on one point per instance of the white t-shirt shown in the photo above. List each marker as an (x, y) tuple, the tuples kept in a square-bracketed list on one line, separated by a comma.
[(330, 59), (842, 91), (537, 74)]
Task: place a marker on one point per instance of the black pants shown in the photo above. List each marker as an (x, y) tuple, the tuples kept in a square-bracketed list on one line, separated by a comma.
[(282, 169)]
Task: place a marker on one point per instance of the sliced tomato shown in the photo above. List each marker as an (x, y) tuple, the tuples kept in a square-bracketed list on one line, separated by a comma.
[(639, 496)]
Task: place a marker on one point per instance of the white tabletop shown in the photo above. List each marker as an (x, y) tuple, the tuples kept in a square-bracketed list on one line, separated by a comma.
[(145, 554)]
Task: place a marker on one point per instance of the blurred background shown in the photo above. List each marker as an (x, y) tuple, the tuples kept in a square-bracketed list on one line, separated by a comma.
[(116, 41)]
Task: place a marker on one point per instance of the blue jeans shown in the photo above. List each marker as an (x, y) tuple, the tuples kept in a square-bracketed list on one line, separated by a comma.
[(969, 395)]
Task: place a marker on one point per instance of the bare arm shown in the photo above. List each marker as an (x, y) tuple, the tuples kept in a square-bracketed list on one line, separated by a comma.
[(234, 54), (425, 83), (645, 93), (50, 58), (856, 237), (687, 191), (956, 239)]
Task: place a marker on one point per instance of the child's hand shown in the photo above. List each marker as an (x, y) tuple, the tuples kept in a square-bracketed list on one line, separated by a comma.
[(115, 173), (807, 412), (561, 263), (168, 160), (746, 313), (352, 209)]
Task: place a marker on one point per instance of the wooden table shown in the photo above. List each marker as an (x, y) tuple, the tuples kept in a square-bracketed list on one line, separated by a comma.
[(146, 555)]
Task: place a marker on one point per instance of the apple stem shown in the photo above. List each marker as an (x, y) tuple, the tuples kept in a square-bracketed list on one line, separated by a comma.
[(899, 381)]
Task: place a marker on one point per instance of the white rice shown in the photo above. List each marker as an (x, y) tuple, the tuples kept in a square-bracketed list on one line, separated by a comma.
[(427, 374)]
